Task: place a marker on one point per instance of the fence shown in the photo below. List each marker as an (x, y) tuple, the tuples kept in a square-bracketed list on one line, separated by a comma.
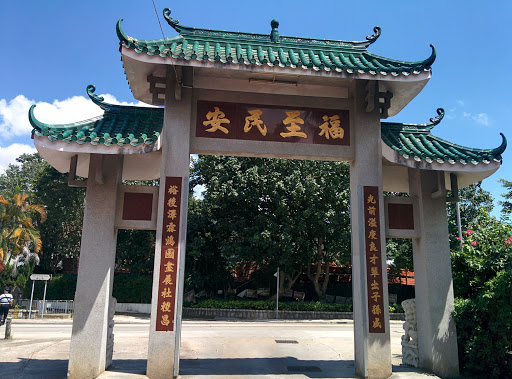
[(50, 306)]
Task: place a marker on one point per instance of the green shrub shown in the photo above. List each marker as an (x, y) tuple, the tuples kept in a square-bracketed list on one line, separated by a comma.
[(484, 329)]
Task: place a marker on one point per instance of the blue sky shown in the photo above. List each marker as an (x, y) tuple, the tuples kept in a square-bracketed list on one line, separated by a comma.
[(51, 50)]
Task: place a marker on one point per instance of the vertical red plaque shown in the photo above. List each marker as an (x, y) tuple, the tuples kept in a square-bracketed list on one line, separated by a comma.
[(169, 255), (373, 259)]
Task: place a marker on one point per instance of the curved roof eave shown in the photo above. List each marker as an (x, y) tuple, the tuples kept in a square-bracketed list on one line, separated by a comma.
[(138, 67)]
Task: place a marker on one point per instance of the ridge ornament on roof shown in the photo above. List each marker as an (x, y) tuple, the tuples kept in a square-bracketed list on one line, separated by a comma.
[(273, 50)]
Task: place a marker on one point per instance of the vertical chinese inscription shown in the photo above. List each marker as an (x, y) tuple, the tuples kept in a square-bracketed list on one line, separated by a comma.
[(373, 259), (169, 255)]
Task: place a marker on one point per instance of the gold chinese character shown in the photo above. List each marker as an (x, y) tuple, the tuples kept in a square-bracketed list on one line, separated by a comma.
[(165, 320), (374, 285), (166, 293), (293, 119), (371, 200), (375, 296), (167, 280), (374, 271), (334, 131), (172, 214), (169, 240), (254, 120), (173, 190), (171, 227), (376, 309), (376, 323), (371, 210), (169, 267), (166, 306), (373, 258), (216, 118), (373, 247), (169, 253), (172, 202), (372, 222), (372, 234)]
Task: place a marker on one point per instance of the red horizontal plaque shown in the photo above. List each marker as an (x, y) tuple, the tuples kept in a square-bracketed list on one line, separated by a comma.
[(137, 206), (400, 216), (272, 123)]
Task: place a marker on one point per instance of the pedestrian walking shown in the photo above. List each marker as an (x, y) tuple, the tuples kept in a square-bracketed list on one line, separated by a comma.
[(5, 304)]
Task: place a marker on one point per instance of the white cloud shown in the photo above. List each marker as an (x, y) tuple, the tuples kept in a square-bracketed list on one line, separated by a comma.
[(14, 113), (479, 118), (460, 102), (9, 154)]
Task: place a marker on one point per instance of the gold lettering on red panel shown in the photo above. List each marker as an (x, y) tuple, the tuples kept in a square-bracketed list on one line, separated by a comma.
[(270, 123), (169, 255), (373, 259)]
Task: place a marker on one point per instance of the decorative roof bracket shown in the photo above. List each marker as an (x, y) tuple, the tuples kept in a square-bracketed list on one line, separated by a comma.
[(441, 188), (155, 90), (454, 186), (178, 84), (72, 182), (375, 98)]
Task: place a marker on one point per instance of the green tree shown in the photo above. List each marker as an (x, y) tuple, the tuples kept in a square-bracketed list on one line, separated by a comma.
[(18, 225), (474, 203), (22, 176), (482, 275), (62, 231), (507, 204), (278, 213)]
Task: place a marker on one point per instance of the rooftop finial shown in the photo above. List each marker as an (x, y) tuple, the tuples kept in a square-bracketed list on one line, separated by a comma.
[(171, 21), (274, 34), (436, 120), (375, 35)]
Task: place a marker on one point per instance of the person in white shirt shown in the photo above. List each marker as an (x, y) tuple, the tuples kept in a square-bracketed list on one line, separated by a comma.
[(5, 304)]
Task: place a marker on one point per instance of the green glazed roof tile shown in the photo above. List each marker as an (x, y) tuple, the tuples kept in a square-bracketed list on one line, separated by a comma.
[(119, 125), (415, 141), (273, 50)]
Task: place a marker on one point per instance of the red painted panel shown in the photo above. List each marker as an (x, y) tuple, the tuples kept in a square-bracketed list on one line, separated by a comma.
[(137, 206), (373, 260), (272, 123), (400, 216), (169, 255)]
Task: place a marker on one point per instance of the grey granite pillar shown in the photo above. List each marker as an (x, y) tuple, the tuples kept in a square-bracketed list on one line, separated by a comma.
[(437, 337), (163, 349), (88, 349), (372, 350)]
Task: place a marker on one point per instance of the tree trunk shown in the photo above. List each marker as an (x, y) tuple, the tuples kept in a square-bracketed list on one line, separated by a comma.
[(320, 289), (286, 282)]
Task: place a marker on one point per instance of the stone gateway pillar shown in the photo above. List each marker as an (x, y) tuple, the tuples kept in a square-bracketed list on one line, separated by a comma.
[(164, 335), (437, 336), (88, 350), (371, 344)]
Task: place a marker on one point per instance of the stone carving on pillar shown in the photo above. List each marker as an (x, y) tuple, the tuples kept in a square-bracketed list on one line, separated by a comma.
[(410, 339), (110, 335)]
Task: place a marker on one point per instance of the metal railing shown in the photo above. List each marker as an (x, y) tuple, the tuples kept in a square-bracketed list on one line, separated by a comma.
[(50, 306)]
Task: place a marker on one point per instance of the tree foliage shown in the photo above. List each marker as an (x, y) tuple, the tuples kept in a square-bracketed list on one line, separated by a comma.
[(62, 232), (18, 225), (278, 213)]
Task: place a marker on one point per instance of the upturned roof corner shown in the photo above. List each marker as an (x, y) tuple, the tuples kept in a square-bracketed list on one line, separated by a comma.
[(415, 141)]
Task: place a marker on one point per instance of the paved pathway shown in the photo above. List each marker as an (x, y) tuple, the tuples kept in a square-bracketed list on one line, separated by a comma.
[(210, 349)]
